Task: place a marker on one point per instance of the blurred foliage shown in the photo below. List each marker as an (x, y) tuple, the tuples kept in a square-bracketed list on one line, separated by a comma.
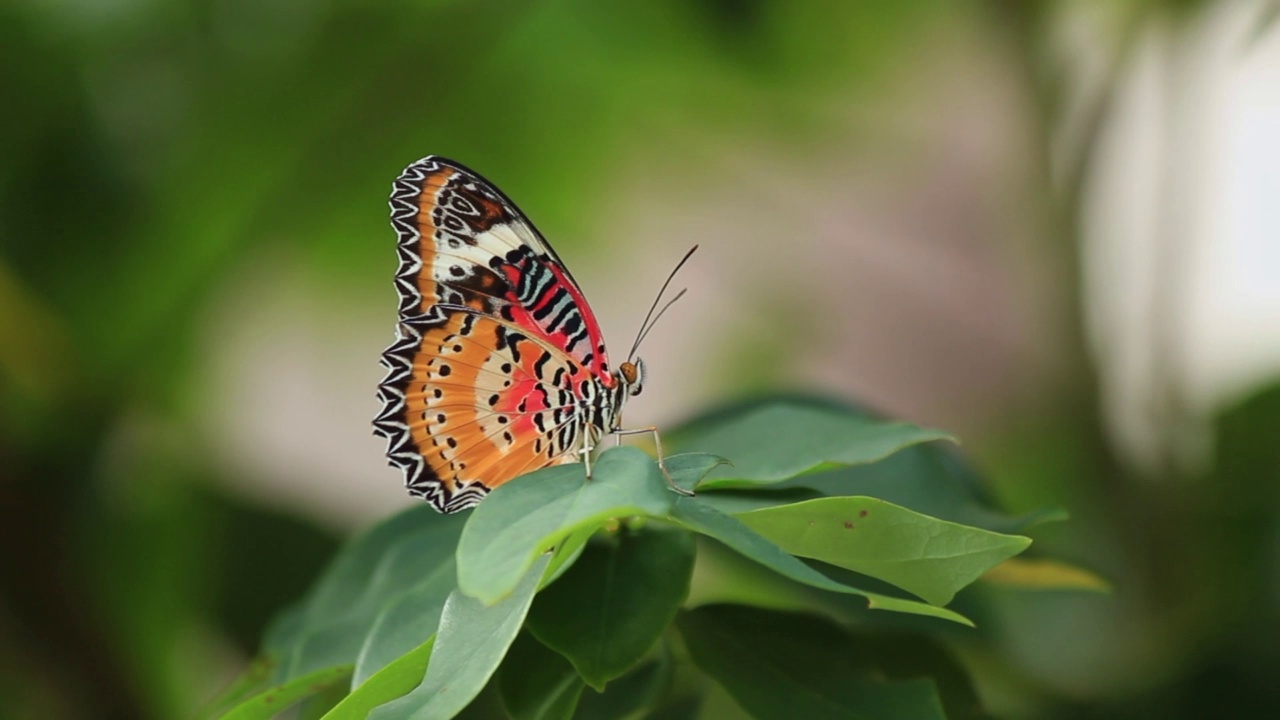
[(154, 150)]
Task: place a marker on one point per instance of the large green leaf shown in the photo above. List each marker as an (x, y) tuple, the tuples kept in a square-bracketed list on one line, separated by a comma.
[(406, 622), (775, 441), (531, 514), (784, 666), (368, 576), (614, 604), (537, 683), (929, 479), (732, 532), (472, 641), (930, 558), (395, 680)]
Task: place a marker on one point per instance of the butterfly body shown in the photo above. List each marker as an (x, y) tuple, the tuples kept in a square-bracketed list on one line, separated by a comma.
[(499, 366)]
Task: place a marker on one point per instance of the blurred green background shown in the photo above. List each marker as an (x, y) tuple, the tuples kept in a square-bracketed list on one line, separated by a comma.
[(1050, 227)]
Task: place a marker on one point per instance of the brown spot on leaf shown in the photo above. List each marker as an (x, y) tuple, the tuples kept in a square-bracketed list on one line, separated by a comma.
[(848, 525), (862, 513)]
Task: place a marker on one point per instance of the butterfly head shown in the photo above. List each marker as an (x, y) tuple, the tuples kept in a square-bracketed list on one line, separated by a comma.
[(631, 376)]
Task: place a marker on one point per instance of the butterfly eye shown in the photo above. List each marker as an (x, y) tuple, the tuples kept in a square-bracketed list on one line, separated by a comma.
[(630, 373)]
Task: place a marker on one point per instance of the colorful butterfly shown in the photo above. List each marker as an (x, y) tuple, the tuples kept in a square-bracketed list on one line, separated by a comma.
[(499, 366)]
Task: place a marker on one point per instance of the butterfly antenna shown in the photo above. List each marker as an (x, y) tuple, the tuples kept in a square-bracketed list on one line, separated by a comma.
[(670, 302), (645, 325)]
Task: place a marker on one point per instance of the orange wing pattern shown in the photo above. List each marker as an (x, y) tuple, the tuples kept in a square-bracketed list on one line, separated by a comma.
[(473, 402)]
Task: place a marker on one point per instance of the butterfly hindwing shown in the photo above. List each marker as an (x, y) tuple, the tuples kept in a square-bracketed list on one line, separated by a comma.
[(471, 402), (465, 397)]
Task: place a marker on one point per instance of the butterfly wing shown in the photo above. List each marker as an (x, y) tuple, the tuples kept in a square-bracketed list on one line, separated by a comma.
[(463, 242), (498, 356), (470, 402)]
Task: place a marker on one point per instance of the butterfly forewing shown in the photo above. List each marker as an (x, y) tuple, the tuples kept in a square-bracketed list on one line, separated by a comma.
[(463, 242), (499, 361)]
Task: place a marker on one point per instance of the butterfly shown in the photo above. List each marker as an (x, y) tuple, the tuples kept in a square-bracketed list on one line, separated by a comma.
[(499, 366)]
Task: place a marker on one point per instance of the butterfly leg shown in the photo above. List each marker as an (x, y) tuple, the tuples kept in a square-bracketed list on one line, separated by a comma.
[(657, 444), (587, 447)]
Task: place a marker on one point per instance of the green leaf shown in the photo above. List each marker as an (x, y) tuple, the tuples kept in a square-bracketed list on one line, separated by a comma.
[(472, 641), (268, 703), (732, 532), (406, 621), (319, 705), (394, 680), (909, 656), (567, 553), (929, 479), (688, 469), (537, 683), (368, 577), (784, 665), (1045, 574), (251, 680), (779, 440), (628, 694), (927, 557), (733, 502), (531, 514), (615, 603)]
